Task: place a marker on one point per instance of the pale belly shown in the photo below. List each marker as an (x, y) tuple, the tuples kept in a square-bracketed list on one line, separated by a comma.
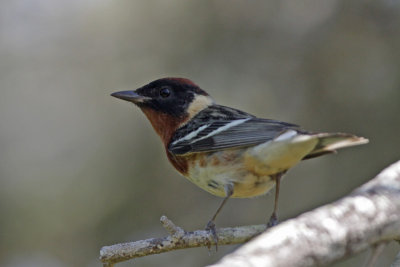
[(249, 170), (218, 169)]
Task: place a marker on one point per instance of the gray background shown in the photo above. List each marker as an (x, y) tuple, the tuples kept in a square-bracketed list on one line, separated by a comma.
[(80, 169)]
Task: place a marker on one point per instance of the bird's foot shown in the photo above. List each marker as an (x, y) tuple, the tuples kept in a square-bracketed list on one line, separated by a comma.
[(213, 231), (273, 220)]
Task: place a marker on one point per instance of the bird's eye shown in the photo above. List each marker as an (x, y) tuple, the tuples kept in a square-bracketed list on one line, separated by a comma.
[(165, 92)]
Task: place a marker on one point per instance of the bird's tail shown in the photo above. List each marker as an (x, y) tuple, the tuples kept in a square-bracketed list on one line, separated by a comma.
[(330, 142)]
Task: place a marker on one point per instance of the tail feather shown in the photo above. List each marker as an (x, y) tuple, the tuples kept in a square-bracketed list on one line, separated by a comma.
[(330, 142)]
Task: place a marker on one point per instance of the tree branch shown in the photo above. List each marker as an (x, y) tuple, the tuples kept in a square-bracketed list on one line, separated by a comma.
[(396, 262), (368, 216)]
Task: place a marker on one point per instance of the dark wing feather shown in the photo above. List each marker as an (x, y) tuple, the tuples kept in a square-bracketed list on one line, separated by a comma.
[(248, 131)]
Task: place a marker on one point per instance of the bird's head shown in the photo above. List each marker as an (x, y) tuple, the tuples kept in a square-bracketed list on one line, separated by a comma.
[(168, 103)]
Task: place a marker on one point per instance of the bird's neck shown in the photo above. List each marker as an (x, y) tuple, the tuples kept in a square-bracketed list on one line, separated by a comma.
[(164, 124)]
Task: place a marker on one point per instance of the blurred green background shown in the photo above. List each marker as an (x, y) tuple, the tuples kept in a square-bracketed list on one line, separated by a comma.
[(80, 169)]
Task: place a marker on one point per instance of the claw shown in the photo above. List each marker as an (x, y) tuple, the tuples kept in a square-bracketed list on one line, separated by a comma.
[(211, 227), (273, 220)]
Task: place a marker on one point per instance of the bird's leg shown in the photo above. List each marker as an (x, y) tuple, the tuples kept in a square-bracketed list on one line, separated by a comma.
[(211, 224), (273, 220)]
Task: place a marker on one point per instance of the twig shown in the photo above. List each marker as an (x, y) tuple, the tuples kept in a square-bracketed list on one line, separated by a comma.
[(178, 239), (175, 231)]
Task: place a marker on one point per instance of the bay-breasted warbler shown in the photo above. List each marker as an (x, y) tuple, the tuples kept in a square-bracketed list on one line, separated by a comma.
[(225, 151)]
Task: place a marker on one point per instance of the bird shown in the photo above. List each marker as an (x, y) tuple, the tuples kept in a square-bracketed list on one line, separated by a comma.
[(225, 151)]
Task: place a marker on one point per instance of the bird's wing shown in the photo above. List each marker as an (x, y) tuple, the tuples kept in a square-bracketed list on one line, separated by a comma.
[(217, 133)]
